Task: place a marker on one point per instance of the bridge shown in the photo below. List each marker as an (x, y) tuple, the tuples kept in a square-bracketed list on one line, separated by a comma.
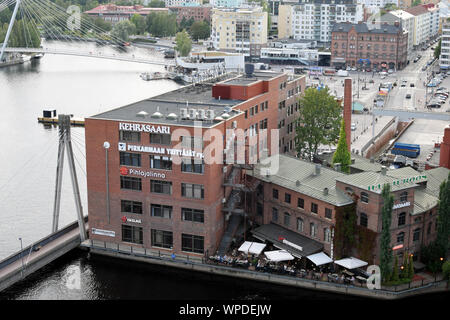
[(89, 54), (36, 19)]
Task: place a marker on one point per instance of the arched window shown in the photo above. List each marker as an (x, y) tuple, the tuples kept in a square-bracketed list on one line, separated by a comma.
[(402, 219), (364, 197)]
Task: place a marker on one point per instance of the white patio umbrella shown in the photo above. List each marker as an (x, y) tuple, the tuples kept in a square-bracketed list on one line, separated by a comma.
[(351, 263), (278, 255), (252, 247), (319, 258)]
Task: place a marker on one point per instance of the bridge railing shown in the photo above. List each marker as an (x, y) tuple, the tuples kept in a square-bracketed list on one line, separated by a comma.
[(38, 244)]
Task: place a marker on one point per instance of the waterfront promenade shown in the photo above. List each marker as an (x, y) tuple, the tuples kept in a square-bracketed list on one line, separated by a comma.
[(200, 264)]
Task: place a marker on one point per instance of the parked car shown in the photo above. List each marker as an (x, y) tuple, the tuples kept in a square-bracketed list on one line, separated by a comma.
[(433, 105), (408, 96), (431, 84), (390, 71), (411, 84), (424, 68), (353, 127)]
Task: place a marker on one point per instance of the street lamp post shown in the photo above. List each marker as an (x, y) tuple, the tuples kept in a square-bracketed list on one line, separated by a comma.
[(21, 252)]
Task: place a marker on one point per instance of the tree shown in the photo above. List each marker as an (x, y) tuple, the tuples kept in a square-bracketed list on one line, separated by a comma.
[(437, 50), (23, 34), (415, 3), (385, 243), (183, 43), (318, 122), (139, 23), (395, 276), (157, 4), (443, 220), (410, 267), (123, 30), (342, 155), (446, 270), (161, 24), (200, 30)]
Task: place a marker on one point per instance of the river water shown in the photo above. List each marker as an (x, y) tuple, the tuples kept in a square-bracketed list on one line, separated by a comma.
[(83, 87)]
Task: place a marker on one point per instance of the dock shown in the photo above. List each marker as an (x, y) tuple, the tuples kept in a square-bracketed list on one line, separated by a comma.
[(73, 121)]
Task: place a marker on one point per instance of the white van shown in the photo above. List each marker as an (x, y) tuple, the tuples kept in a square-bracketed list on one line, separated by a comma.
[(342, 73)]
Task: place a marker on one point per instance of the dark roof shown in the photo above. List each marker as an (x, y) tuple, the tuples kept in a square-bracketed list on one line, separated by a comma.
[(273, 232), (417, 10), (362, 28)]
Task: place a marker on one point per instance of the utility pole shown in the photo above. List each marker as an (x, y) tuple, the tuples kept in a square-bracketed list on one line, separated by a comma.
[(11, 23), (66, 143)]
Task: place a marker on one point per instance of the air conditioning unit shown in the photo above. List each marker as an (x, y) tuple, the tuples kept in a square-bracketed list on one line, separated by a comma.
[(209, 114), (192, 113), (184, 113), (201, 115)]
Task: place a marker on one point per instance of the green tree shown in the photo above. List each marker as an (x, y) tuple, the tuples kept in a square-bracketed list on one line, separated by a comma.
[(443, 220), (123, 30), (437, 50), (161, 24), (404, 268), (156, 4), (395, 276), (23, 34), (342, 155), (318, 122), (139, 23), (410, 267), (200, 30), (183, 43), (385, 242), (446, 270), (415, 3)]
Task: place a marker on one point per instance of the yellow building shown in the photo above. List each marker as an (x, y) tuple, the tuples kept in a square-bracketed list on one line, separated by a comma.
[(239, 29)]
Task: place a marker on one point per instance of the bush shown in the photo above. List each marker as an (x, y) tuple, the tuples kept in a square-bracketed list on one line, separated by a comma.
[(446, 270)]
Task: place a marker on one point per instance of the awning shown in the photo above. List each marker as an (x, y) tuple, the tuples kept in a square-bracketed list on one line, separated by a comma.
[(278, 255), (319, 258), (296, 244), (351, 263), (252, 247)]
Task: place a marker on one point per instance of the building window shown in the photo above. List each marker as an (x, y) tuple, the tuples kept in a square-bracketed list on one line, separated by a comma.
[(274, 214), (192, 165), (162, 239), (192, 243), (128, 206), (404, 196), (402, 219), (314, 207), (287, 218), (328, 213), (259, 209), (159, 162), (158, 210), (190, 190), (429, 228), (301, 203), (158, 186), (287, 198), (193, 215), (159, 138), (299, 224), (327, 234), (312, 229), (363, 219), (275, 193), (130, 159), (364, 197), (193, 143), (132, 234), (130, 183), (129, 136), (400, 237), (416, 234)]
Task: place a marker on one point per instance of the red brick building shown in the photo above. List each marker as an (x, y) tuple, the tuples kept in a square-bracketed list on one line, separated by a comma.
[(303, 198), (198, 13), (155, 186), (381, 48)]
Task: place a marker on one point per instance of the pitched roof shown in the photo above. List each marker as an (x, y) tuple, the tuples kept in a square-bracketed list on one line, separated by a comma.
[(363, 28), (299, 175), (417, 10)]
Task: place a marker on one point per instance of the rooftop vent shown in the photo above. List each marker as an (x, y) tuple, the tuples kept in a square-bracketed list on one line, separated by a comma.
[(225, 115), (218, 119), (298, 183), (383, 170), (317, 169), (157, 115), (142, 114), (325, 191), (249, 69), (171, 116), (337, 167), (353, 160)]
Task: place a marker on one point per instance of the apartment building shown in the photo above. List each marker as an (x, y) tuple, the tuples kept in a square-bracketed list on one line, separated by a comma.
[(406, 20), (197, 13), (239, 30), (383, 47), (182, 3), (113, 13), (226, 3), (314, 20), (444, 58), (426, 23)]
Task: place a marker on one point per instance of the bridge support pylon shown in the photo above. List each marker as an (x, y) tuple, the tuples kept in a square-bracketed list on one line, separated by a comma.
[(65, 143), (8, 33)]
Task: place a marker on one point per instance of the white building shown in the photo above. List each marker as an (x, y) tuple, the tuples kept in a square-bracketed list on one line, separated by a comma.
[(426, 23), (407, 22), (290, 56), (314, 20), (444, 58), (181, 3), (377, 3)]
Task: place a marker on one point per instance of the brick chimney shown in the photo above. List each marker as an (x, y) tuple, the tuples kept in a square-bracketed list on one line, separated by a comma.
[(444, 160), (348, 111)]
